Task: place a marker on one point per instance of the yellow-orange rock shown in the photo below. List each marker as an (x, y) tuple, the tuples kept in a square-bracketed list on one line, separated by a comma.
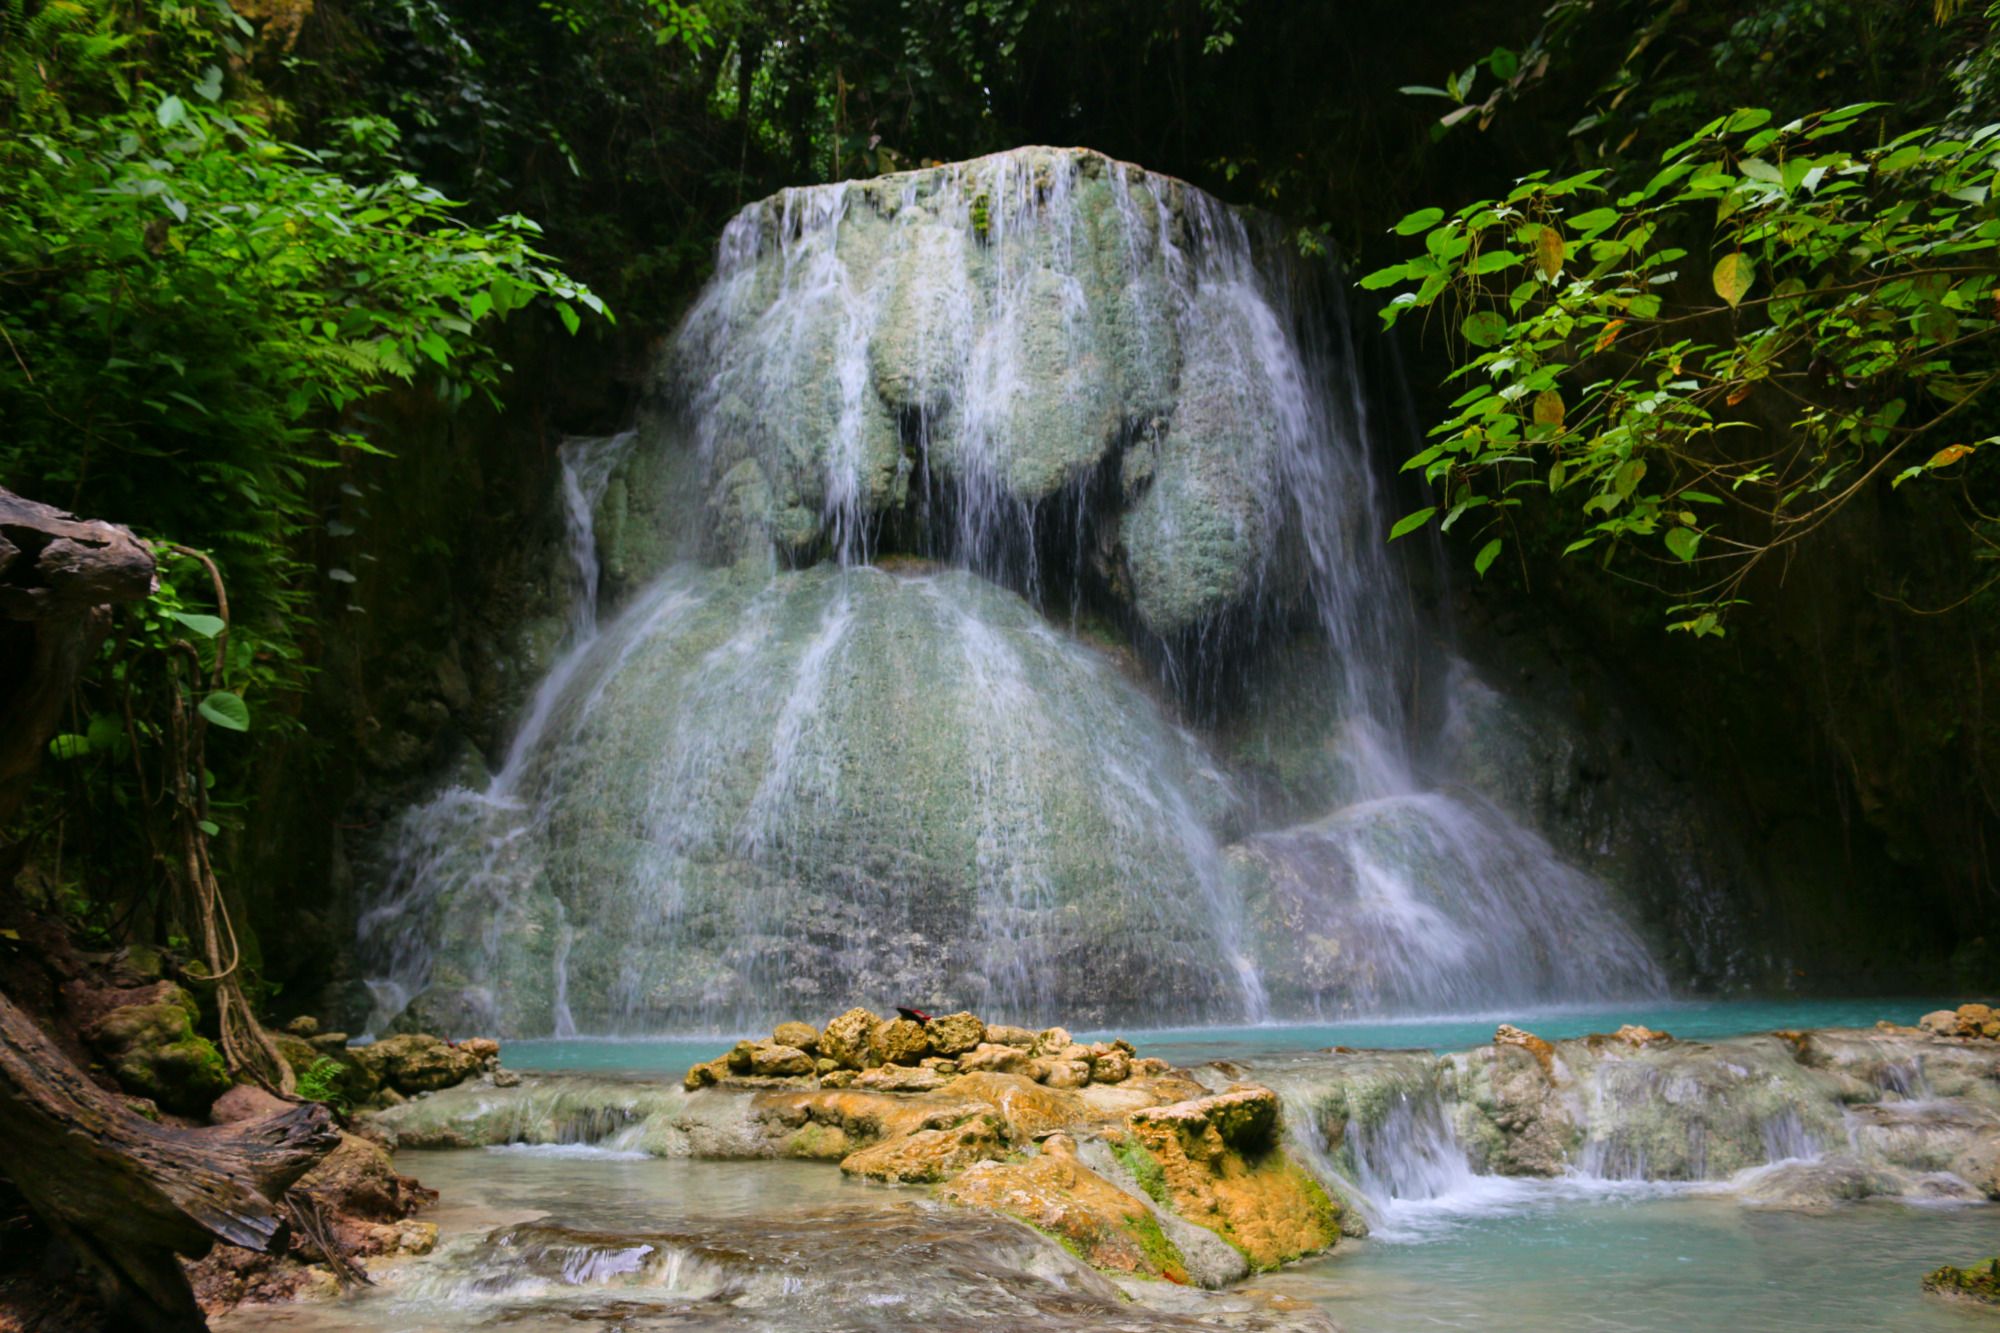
[(930, 1155), (1055, 1193), (1221, 1166)]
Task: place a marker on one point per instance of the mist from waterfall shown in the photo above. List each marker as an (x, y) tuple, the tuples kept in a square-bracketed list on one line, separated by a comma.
[(970, 491)]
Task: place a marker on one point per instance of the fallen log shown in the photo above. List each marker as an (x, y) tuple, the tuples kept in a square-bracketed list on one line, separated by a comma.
[(128, 1195)]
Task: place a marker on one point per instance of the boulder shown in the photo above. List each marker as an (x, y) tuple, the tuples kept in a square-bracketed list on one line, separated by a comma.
[(1056, 1194), (800, 1036), (1049, 1041), (901, 1078), (1113, 1066), (706, 1075), (991, 1058), (770, 1060), (848, 1038), (1218, 1162), (929, 1155), (1940, 1023), (153, 1051), (899, 1041), (1066, 1073), (245, 1101), (1509, 1035), (417, 1062), (1978, 1284), (955, 1034), (305, 1025), (1002, 1034)]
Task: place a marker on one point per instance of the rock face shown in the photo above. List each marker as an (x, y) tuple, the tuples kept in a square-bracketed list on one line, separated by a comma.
[(1219, 1162), (1055, 1193), (833, 743), (1785, 1119), (152, 1049)]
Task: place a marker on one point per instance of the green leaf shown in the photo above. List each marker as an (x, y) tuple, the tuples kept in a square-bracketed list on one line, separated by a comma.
[(1409, 523), (1734, 274), (226, 710), (1486, 555), (1421, 220), (208, 826), (206, 626), (570, 319), (1683, 541), (171, 112), (1484, 328), (69, 745), (1385, 277)]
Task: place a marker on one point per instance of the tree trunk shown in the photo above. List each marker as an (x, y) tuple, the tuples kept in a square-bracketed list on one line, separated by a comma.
[(57, 576), (127, 1194)]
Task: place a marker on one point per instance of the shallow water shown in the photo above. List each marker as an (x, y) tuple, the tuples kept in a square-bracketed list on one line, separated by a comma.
[(585, 1240), (1552, 1259), (1689, 1019)]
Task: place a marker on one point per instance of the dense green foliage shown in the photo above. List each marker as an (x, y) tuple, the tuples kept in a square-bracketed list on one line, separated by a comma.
[(194, 311), (1706, 361)]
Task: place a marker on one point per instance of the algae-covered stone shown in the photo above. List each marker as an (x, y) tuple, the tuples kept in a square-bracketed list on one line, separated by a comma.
[(955, 1034), (850, 1038), (1055, 1193), (153, 1050), (1978, 1284), (1221, 1166), (900, 1041)]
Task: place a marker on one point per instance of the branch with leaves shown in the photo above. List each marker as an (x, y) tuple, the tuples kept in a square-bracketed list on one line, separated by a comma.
[(1699, 373)]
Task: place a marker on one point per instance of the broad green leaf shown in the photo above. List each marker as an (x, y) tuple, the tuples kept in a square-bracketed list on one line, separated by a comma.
[(206, 626), (1409, 523), (69, 745), (171, 111), (208, 826), (1734, 273), (226, 710), (1421, 220), (1683, 541), (570, 319), (1549, 409), (1484, 328), (1486, 555)]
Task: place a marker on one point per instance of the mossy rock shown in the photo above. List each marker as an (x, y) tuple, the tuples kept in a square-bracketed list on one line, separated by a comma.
[(153, 1051)]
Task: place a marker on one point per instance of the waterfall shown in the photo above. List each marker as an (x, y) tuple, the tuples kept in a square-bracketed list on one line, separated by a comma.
[(971, 511)]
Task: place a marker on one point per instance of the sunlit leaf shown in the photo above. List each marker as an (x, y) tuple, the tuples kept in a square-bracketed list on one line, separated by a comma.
[(1734, 273), (1409, 523)]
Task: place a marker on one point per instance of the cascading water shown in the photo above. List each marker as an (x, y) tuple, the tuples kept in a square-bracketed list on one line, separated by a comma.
[(832, 748)]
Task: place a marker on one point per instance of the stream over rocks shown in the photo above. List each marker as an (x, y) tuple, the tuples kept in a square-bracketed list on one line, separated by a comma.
[(989, 609)]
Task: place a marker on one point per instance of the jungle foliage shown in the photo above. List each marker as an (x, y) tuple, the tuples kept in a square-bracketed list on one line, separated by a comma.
[(1686, 360)]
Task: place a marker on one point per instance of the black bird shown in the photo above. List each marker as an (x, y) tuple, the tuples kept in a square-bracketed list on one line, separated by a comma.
[(914, 1015)]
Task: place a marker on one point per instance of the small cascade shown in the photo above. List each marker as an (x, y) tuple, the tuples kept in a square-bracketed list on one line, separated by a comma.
[(464, 839), (967, 505)]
